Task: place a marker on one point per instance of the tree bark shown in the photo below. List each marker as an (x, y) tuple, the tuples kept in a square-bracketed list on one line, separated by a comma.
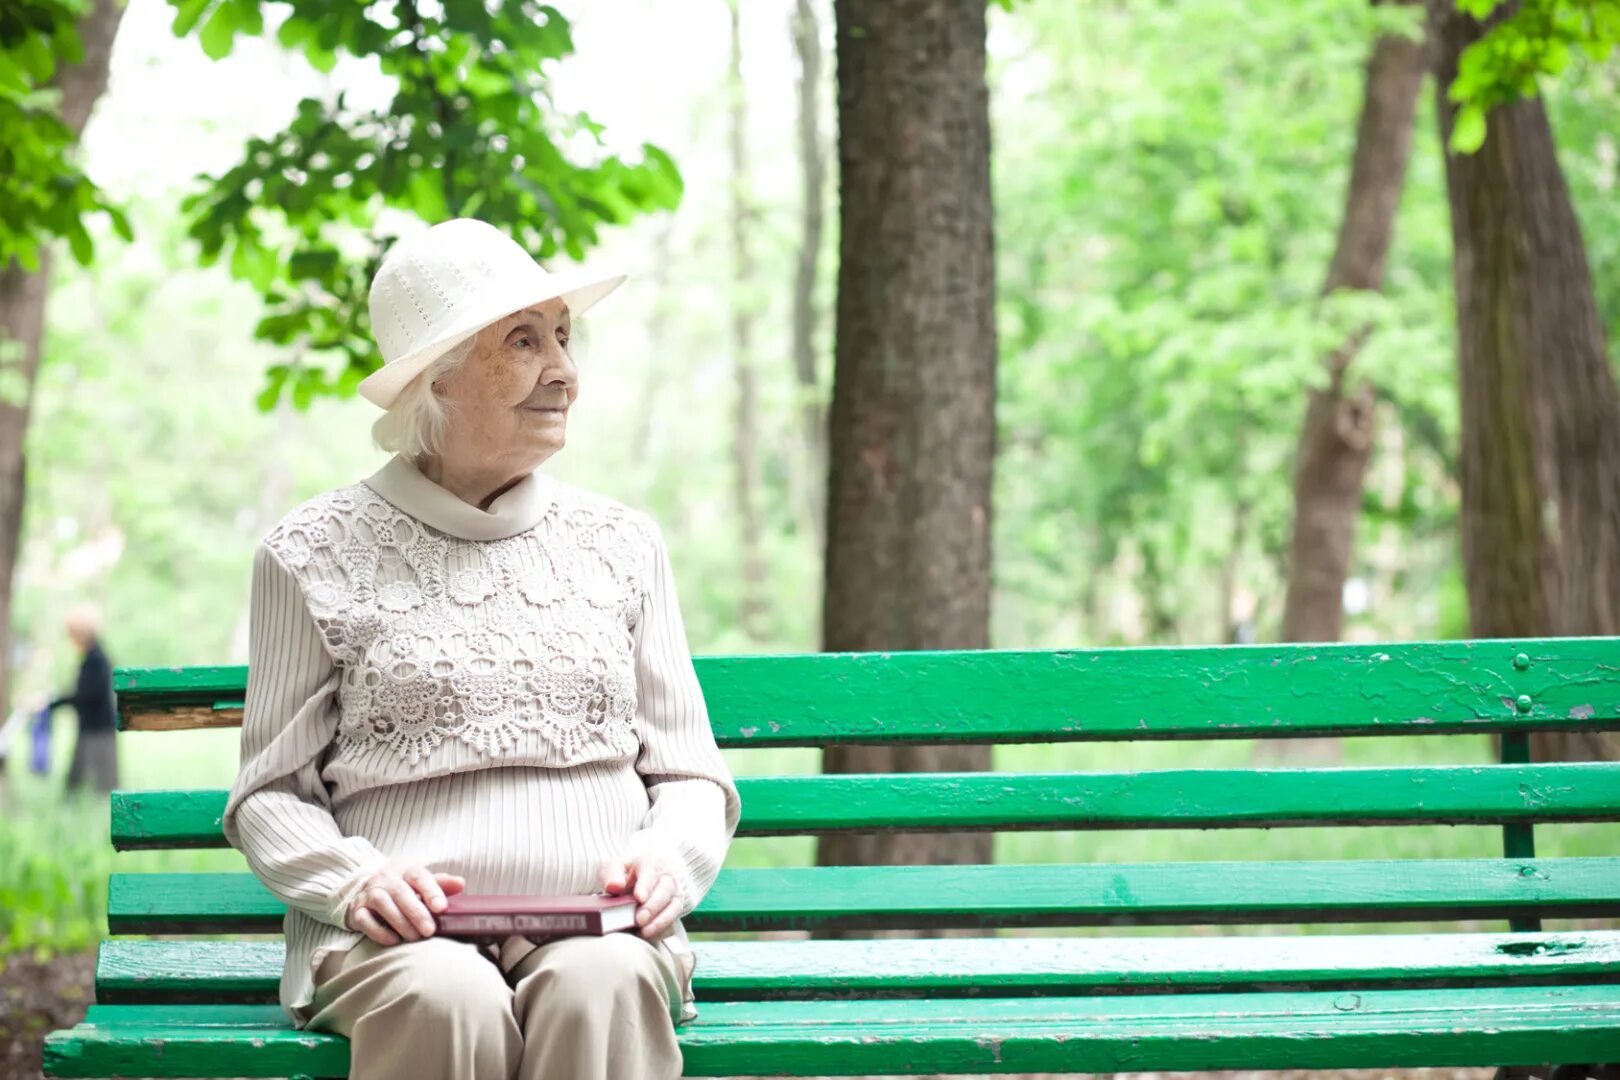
[(22, 318), (745, 440), (813, 182), (913, 409), (1540, 463), (1336, 441)]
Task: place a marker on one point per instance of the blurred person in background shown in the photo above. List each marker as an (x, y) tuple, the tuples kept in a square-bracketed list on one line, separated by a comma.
[(95, 752)]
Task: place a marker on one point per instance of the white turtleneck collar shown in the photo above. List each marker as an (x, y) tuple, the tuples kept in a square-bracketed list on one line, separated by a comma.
[(517, 509)]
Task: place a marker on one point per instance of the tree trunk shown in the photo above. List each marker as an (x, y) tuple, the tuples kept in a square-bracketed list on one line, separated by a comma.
[(813, 176), (1540, 461), (1336, 441), (913, 410), (745, 441), (22, 318)]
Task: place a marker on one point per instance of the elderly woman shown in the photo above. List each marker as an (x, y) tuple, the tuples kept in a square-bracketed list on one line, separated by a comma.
[(466, 675)]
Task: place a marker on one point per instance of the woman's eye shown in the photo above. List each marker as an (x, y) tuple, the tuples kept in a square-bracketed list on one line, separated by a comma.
[(524, 342), (562, 338)]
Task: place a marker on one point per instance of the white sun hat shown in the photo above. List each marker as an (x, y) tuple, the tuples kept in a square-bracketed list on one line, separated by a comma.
[(438, 288)]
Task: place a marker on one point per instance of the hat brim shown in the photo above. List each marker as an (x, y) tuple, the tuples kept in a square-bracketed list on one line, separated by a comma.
[(580, 290)]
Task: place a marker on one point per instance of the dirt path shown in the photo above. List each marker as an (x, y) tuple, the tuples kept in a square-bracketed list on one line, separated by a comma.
[(39, 997)]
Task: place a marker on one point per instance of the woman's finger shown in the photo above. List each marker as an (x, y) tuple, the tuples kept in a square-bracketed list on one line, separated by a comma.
[(410, 905), (660, 898), (381, 900), (660, 925), (426, 886), (615, 876), (365, 921), (645, 880)]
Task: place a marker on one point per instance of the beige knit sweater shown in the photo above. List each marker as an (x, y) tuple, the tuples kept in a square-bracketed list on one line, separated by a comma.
[(505, 694)]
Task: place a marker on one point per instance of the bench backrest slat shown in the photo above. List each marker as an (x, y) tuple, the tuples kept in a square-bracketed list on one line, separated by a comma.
[(1166, 799), (1188, 893), (1105, 694)]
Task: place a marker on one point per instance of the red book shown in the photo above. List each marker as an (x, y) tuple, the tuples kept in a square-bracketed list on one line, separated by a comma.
[(552, 916)]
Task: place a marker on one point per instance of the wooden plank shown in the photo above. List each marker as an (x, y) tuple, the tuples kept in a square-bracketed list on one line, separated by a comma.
[(1171, 798), (168, 819), (132, 972), (1471, 1026), (137, 717), (1395, 890), (194, 1040), (1234, 691)]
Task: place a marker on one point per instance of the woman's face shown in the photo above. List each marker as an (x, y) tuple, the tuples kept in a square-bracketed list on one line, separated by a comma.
[(509, 399)]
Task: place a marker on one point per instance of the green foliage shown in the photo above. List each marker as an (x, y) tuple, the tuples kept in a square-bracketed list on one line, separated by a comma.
[(470, 131), (50, 893), (1166, 219), (43, 193), (144, 443), (56, 850), (1537, 38), (1169, 185)]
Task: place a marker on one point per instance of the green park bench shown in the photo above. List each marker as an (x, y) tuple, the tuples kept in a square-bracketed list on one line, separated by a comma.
[(170, 1002)]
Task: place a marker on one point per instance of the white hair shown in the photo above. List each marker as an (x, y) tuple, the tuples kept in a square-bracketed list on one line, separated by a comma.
[(414, 425), (84, 619)]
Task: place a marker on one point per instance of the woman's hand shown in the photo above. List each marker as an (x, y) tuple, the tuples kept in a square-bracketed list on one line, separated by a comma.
[(397, 903), (652, 879)]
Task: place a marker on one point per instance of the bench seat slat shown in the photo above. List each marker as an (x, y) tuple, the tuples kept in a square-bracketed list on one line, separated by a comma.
[(1470, 1026), (1016, 895), (1053, 696), (132, 972), (1171, 798)]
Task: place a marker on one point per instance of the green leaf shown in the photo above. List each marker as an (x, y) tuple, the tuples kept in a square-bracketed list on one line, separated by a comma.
[(275, 378), (304, 389), (294, 31), (322, 60), (1468, 129), (120, 223), (253, 263), (35, 56), (84, 251), (219, 32), (249, 17), (186, 14), (312, 264), (69, 45), (12, 82)]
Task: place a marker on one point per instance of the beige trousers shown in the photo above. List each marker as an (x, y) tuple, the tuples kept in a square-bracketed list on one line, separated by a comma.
[(578, 1008)]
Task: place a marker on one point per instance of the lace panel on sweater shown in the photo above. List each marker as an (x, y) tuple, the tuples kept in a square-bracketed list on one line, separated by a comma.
[(441, 638)]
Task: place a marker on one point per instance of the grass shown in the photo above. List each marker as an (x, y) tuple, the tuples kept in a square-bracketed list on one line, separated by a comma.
[(55, 854), (55, 851)]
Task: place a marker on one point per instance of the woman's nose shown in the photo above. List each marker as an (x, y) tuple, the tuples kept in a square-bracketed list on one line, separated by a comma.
[(560, 367)]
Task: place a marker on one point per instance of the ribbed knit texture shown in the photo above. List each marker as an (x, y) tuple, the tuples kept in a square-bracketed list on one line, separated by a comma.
[(506, 695)]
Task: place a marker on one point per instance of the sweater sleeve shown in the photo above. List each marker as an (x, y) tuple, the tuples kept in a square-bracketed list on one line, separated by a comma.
[(278, 813), (695, 805)]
